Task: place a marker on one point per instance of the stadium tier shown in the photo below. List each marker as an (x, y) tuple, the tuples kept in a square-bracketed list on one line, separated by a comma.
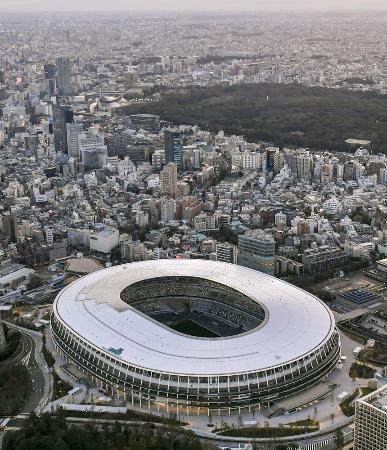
[(195, 336)]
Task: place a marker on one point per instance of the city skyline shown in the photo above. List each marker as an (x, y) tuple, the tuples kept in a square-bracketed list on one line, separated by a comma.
[(193, 224), (190, 5)]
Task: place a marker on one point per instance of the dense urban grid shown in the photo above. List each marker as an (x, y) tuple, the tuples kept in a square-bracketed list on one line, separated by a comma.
[(88, 180)]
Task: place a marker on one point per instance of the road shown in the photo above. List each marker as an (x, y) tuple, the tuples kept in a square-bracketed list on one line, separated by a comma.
[(30, 355), (322, 442)]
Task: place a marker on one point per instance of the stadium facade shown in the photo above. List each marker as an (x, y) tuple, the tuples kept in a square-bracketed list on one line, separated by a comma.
[(194, 336)]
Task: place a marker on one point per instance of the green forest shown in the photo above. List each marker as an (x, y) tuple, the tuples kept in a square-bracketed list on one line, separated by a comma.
[(293, 115)]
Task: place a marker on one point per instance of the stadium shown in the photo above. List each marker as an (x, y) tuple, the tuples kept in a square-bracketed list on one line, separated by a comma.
[(194, 336)]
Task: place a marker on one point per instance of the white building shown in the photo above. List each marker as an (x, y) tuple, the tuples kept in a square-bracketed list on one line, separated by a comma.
[(332, 206), (280, 218), (104, 241), (167, 209), (251, 161), (142, 219), (73, 131)]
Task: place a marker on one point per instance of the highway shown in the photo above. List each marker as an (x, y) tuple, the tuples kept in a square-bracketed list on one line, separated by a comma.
[(30, 355)]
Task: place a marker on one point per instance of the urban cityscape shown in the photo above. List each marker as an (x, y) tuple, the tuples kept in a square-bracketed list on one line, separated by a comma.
[(193, 226)]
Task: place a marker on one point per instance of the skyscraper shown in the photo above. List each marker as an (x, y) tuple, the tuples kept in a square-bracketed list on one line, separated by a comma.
[(50, 77), (63, 66), (63, 115), (173, 145)]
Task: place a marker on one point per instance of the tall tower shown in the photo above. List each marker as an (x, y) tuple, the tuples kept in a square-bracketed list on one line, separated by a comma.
[(50, 77), (63, 66), (63, 115), (173, 146)]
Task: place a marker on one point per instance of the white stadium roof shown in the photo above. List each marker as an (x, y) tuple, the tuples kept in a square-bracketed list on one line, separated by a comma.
[(296, 322)]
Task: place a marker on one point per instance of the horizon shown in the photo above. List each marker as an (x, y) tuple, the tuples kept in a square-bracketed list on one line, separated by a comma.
[(192, 6)]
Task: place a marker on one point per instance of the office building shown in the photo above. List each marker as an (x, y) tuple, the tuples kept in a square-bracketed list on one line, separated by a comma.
[(168, 180), (63, 66), (173, 146), (226, 252), (105, 240), (251, 161), (118, 143), (274, 160), (63, 115), (371, 421), (94, 157), (256, 250), (167, 209), (50, 77), (323, 258), (73, 131), (158, 159), (89, 140), (9, 226)]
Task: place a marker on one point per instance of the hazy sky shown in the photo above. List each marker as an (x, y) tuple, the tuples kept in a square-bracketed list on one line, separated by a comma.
[(195, 5)]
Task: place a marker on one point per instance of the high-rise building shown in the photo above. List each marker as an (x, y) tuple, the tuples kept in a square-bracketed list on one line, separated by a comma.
[(63, 66), (89, 140), (118, 143), (167, 209), (63, 115), (256, 250), (226, 252), (73, 131), (304, 165), (173, 146), (158, 159), (251, 161), (94, 157), (371, 421), (349, 171), (168, 180), (50, 77), (9, 226), (274, 160)]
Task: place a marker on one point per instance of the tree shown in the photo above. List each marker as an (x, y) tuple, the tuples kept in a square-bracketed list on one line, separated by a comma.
[(339, 438), (34, 282), (60, 444)]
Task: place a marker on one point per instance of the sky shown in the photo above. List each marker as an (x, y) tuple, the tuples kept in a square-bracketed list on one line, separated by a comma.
[(190, 5)]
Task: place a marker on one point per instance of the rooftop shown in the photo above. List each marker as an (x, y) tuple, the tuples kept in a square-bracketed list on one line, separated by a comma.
[(377, 399), (296, 322)]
